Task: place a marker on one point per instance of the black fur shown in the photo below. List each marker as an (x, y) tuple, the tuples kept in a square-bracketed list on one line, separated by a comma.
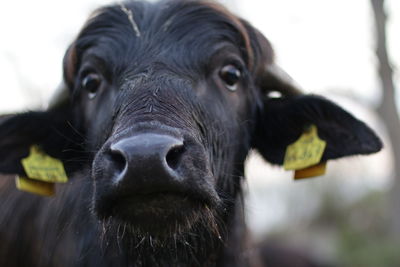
[(159, 65)]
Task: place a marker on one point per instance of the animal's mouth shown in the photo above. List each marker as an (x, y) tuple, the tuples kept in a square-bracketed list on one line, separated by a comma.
[(158, 213)]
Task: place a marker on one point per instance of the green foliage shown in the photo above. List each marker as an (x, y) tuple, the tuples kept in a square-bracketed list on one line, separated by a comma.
[(363, 237), (365, 249)]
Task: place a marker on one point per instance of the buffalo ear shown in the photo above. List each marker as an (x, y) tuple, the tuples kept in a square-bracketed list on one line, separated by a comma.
[(52, 130), (282, 121)]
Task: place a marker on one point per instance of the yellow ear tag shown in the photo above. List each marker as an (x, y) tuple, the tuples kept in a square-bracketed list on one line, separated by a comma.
[(305, 152), (40, 166), (35, 187)]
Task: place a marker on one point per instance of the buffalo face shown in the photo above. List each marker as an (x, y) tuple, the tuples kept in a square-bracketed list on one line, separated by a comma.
[(170, 120)]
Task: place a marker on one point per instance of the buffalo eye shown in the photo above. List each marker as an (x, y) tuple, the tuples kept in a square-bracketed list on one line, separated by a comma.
[(91, 83), (231, 76)]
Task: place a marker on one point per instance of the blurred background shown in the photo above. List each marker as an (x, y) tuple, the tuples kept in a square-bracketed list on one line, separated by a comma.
[(344, 50)]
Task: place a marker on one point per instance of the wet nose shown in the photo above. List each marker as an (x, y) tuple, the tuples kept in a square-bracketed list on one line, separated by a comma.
[(148, 162)]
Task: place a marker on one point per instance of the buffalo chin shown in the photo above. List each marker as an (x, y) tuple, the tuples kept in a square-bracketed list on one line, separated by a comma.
[(160, 215), (161, 230)]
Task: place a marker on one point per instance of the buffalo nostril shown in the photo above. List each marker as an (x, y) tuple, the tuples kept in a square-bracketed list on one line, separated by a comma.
[(118, 160), (174, 156), (145, 158)]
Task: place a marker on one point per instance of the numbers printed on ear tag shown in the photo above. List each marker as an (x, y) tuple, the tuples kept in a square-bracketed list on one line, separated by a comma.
[(40, 166), (305, 152)]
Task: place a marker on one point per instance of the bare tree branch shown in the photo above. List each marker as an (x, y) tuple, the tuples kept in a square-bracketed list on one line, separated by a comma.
[(388, 108)]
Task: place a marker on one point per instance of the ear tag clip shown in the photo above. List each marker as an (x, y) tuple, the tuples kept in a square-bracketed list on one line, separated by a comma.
[(305, 154), (42, 172), (313, 171), (34, 186)]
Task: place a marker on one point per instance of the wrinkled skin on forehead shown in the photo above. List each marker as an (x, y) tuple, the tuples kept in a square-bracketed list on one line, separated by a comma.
[(161, 65), (165, 101)]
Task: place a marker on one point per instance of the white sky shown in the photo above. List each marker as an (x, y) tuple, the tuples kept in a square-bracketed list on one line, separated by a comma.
[(327, 46)]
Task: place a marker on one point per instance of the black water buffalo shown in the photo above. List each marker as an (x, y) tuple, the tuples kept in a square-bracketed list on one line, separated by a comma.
[(161, 104)]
